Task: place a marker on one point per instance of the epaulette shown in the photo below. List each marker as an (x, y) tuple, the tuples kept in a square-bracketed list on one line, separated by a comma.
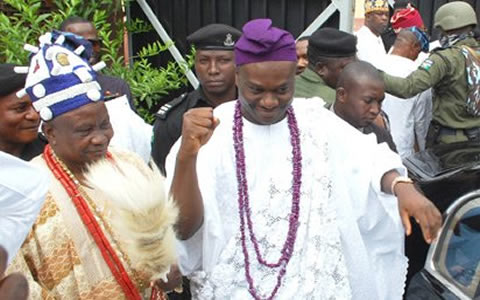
[(162, 113)]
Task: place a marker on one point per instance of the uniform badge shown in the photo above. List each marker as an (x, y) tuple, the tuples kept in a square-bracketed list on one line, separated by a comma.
[(427, 64), (228, 41)]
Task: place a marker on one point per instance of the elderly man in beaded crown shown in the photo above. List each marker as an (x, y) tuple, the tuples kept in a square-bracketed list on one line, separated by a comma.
[(277, 200), (100, 234)]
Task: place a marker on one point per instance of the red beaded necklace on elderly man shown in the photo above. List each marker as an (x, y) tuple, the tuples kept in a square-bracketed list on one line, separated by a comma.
[(109, 255), (244, 202)]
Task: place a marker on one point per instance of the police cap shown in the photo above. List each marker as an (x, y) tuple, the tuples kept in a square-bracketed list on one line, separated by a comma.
[(215, 37)]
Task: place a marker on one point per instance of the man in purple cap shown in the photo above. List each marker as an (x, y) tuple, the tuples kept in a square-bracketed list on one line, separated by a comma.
[(274, 203)]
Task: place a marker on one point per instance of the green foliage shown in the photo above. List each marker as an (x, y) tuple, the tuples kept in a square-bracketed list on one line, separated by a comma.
[(29, 19)]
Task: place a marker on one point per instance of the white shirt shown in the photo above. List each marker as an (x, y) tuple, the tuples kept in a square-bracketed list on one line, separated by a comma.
[(22, 192), (409, 118), (349, 242), (370, 47), (131, 133)]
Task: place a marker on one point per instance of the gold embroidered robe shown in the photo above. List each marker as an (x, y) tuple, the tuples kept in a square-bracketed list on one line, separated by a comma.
[(59, 256)]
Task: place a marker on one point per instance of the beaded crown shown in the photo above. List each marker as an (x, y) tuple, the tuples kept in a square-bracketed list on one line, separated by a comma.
[(376, 5), (59, 78)]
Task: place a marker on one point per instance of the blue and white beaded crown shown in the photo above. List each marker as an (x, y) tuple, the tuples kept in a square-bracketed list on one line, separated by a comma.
[(59, 78)]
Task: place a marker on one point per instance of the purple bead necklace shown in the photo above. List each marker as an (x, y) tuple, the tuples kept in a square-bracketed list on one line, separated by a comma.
[(244, 202)]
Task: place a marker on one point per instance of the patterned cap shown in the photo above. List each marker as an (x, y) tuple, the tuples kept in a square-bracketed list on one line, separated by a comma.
[(422, 38), (59, 79), (376, 5)]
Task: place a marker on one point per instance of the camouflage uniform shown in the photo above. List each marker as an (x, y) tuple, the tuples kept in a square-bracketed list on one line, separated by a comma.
[(444, 70)]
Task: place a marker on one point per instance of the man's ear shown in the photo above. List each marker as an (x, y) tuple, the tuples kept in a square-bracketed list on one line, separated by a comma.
[(321, 69), (236, 79), (367, 18), (416, 49), (49, 132), (341, 95)]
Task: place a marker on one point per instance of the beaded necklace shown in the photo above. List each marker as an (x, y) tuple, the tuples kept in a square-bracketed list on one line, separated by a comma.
[(244, 202), (80, 199)]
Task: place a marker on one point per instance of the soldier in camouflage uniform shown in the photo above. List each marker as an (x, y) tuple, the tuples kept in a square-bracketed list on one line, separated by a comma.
[(445, 71)]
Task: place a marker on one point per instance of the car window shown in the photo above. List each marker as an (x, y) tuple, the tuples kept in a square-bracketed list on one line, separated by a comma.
[(458, 258), (463, 248)]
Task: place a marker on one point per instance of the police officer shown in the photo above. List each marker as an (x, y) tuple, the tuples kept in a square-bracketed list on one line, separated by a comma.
[(215, 69), (445, 71)]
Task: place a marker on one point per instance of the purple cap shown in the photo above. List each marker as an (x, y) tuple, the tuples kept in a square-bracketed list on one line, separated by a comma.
[(261, 42)]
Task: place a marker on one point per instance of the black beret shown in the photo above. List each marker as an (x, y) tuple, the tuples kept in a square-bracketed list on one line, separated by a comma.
[(331, 42), (9, 80), (215, 37)]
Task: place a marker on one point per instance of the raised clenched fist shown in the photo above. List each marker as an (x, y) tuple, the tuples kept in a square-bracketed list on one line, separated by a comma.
[(198, 127)]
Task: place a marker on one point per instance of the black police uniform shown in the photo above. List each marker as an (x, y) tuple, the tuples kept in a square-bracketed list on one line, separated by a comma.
[(169, 119), (114, 87), (168, 124)]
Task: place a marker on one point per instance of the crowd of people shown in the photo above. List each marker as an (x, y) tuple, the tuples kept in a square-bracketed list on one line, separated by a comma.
[(279, 177)]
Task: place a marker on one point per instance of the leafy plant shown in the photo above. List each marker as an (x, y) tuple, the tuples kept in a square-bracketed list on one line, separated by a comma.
[(26, 20)]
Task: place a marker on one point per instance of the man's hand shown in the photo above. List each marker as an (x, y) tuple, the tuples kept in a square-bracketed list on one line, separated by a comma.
[(413, 204), (174, 281), (198, 127), (13, 286)]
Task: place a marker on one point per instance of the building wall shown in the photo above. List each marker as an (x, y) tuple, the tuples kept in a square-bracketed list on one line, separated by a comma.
[(182, 17)]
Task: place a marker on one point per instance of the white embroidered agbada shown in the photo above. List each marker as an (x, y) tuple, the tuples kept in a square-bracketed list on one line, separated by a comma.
[(349, 243), (370, 47), (22, 193)]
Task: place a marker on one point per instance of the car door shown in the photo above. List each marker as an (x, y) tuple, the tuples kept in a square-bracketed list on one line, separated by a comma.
[(454, 259)]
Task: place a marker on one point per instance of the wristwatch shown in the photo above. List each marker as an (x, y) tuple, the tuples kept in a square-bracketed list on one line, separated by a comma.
[(397, 180)]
